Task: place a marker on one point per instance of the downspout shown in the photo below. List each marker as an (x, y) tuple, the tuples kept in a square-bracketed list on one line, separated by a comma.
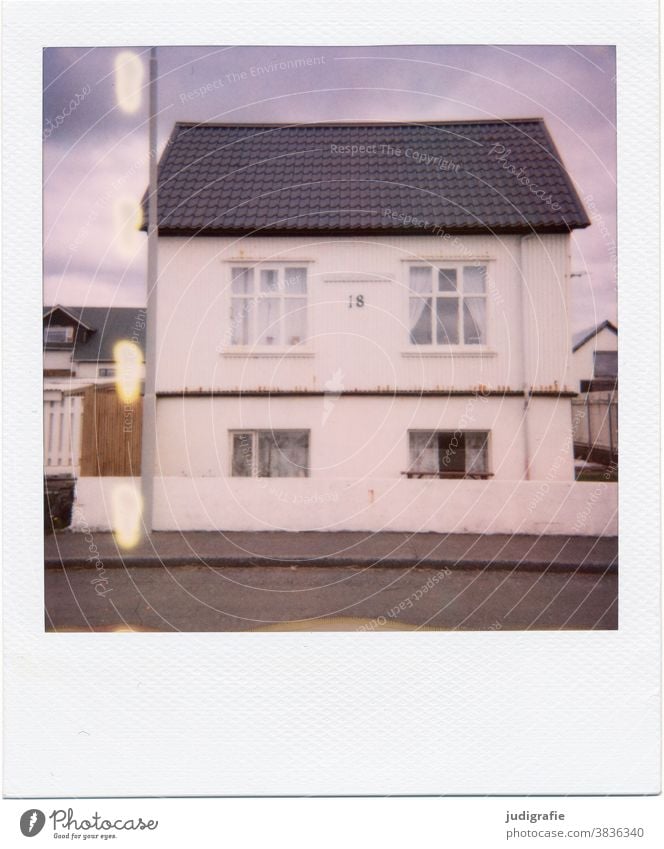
[(525, 376), (149, 437)]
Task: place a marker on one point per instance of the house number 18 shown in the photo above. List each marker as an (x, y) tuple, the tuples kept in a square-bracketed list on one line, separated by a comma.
[(355, 301)]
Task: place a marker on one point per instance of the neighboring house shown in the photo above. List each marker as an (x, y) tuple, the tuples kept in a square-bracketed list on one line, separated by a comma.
[(364, 326), (595, 358), (595, 413), (79, 344), (79, 341)]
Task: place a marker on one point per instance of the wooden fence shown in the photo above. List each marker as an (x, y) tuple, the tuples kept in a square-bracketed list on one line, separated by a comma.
[(111, 434)]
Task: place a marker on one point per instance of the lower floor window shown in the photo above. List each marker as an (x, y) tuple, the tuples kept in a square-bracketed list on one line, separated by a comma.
[(448, 454), (270, 454)]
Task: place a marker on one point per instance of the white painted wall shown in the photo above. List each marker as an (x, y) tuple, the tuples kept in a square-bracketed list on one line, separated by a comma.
[(57, 359), (583, 359), (535, 507), (91, 370), (359, 445), (357, 437), (368, 347)]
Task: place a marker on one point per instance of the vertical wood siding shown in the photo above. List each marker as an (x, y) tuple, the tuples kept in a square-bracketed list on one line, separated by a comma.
[(111, 435)]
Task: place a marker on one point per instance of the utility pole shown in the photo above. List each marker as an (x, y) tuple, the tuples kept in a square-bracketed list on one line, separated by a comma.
[(149, 435)]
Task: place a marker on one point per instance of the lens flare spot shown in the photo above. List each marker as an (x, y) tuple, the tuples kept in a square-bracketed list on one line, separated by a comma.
[(128, 361), (126, 513), (129, 73), (126, 223)]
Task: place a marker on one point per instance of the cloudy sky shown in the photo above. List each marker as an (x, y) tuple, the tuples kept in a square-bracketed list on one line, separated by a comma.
[(95, 152)]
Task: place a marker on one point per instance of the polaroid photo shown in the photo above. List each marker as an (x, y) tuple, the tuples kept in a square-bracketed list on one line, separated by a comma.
[(313, 350)]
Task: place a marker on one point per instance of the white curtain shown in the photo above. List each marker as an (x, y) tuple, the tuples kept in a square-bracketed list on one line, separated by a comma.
[(423, 452), (476, 453), (474, 320), (420, 321)]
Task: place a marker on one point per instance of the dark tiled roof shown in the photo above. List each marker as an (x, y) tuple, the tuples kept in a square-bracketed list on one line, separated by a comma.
[(463, 177), (109, 325), (580, 339)]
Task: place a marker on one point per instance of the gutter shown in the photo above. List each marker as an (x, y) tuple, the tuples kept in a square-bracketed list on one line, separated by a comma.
[(527, 387)]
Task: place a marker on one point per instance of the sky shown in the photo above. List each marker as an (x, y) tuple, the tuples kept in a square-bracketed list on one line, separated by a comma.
[(96, 138)]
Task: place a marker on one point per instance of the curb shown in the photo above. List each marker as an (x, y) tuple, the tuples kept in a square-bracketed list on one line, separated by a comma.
[(134, 562)]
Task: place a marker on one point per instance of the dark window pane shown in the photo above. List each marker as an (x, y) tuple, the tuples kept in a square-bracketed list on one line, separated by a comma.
[(447, 321), (451, 452), (447, 280), (283, 453), (606, 364)]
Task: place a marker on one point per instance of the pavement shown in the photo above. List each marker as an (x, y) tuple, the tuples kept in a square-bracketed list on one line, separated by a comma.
[(278, 581)]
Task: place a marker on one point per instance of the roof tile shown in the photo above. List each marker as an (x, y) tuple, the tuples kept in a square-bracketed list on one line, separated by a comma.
[(502, 176)]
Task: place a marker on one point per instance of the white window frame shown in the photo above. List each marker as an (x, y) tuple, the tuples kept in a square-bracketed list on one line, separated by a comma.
[(254, 434), (69, 334), (458, 265), (256, 296)]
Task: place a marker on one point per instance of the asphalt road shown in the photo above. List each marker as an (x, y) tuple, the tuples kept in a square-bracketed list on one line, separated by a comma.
[(242, 598)]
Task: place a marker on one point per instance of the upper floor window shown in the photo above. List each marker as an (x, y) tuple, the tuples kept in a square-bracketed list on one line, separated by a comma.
[(55, 334), (448, 454), (268, 305), (447, 304), (606, 364)]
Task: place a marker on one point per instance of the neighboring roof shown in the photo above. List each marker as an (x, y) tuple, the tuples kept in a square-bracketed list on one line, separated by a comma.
[(67, 311), (465, 176), (580, 339), (108, 325)]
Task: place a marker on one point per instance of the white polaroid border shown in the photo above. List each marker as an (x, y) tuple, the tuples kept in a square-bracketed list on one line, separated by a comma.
[(332, 713)]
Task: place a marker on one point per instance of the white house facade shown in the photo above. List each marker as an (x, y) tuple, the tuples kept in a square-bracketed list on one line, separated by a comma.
[(365, 341)]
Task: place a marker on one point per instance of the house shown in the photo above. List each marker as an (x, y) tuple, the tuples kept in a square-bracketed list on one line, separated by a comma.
[(80, 351), (595, 412), (79, 342), (364, 327), (595, 358)]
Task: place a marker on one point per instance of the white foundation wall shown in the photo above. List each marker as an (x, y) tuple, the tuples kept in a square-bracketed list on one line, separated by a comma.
[(364, 437), (237, 504), (368, 347)]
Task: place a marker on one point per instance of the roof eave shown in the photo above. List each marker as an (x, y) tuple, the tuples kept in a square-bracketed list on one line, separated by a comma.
[(367, 231)]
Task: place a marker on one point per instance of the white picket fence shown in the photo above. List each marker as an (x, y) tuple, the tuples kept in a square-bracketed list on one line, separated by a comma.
[(595, 423), (63, 416)]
